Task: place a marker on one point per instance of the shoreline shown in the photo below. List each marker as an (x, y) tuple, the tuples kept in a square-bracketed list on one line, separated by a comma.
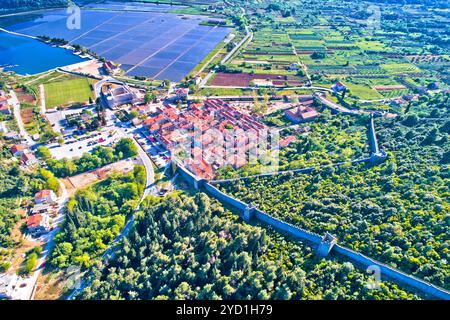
[(65, 47), (18, 13), (19, 34)]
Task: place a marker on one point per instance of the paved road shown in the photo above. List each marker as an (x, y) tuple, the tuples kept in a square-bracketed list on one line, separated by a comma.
[(27, 292), (109, 253), (338, 107), (249, 36), (345, 110), (145, 160), (16, 104)]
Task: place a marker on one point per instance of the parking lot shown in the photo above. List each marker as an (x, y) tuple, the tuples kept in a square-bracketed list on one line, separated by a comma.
[(57, 118), (76, 147), (158, 154)]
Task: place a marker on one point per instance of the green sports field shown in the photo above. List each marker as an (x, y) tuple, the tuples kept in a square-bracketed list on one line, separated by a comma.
[(68, 91)]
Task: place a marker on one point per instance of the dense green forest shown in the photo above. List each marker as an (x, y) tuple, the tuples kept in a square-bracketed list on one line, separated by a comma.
[(397, 212), (95, 216), (100, 156), (192, 248)]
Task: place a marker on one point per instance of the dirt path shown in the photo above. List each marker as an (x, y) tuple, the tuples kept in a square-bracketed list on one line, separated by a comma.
[(42, 99), (18, 116)]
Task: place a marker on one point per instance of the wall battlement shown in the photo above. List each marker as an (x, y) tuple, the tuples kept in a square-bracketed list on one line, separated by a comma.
[(324, 245)]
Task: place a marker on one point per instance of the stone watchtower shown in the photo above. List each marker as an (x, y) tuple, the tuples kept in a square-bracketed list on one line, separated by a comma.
[(249, 213), (377, 155), (325, 246)]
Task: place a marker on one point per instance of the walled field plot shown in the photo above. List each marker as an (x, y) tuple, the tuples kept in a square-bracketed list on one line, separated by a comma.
[(364, 92), (68, 91), (25, 97), (159, 45), (367, 65), (270, 52), (398, 68), (30, 118)]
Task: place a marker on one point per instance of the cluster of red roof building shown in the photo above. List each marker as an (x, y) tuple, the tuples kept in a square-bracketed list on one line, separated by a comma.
[(4, 103), (27, 158), (214, 134)]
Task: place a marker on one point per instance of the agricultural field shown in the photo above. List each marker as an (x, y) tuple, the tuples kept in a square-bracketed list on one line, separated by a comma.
[(33, 122), (269, 56), (363, 92), (69, 91), (337, 45), (400, 68)]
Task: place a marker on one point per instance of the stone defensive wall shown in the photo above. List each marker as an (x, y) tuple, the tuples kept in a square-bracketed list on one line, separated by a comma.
[(377, 156), (287, 228), (324, 245), (392, 274)]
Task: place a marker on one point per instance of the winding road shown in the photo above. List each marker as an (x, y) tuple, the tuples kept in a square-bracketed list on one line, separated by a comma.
[(246, 39), (150, 181)]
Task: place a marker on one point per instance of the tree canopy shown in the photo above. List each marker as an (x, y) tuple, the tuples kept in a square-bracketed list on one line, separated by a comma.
[(192, 248)]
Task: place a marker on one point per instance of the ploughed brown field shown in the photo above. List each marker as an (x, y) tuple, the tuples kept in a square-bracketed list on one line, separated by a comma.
[(245, 79)]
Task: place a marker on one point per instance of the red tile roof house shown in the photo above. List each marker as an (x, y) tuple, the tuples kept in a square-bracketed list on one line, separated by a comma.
[(37, 224), (17, 150), (41, 209), (238, 161), (198, 119), (287, 141), (142, 109), (301, 114), (182, 93), (338, 87), (3, 100), (28, 159), (45, 196), (4, 109), (200, 168)]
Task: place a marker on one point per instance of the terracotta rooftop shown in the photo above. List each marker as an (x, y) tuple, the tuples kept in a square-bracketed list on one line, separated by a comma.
[(34, 221), (17, 147), (42, 194)]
